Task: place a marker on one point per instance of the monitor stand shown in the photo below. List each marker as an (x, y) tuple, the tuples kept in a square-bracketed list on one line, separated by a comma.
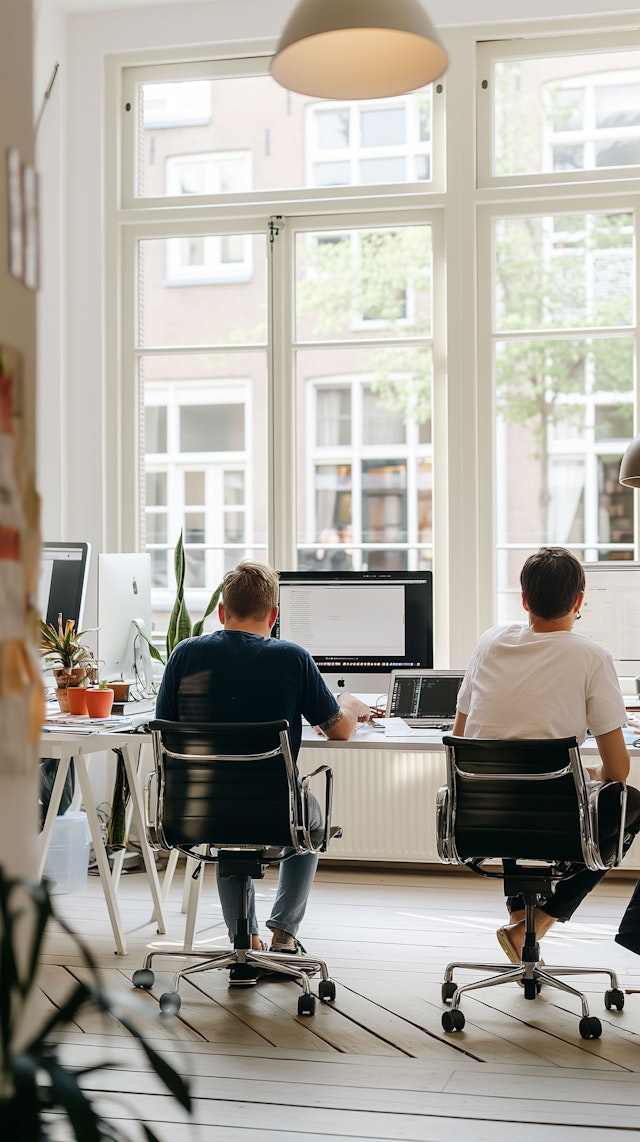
[(137, 657)]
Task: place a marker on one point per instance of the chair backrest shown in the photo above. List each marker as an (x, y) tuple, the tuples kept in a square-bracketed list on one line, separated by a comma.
[(226, 784), (522, 799)]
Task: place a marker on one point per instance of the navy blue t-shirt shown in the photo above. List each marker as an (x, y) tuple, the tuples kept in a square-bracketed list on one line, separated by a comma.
[(235, 676)]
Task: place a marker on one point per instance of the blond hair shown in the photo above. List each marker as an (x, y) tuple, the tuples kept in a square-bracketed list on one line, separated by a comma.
[(250, 590)]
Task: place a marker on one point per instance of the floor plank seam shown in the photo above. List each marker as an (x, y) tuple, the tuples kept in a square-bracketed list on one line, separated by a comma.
[(581, 1044), (411, 1023)]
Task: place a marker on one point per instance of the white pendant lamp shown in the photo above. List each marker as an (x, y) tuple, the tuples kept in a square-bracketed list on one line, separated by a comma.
[(358, 49), (630, 466)]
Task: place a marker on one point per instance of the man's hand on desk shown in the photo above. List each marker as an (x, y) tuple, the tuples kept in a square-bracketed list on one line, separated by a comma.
[(356, 706), (354, 710)]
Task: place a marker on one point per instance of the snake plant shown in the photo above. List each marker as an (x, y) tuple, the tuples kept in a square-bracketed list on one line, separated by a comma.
[(181, 625)]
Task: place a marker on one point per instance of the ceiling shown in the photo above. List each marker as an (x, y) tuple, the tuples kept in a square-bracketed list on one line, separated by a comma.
[(446, 13)]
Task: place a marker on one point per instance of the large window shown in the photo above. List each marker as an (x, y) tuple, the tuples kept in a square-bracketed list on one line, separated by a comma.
[(364, 363), (293, 140), (336, 359), (217, 350), (562, 111), (564, 312)]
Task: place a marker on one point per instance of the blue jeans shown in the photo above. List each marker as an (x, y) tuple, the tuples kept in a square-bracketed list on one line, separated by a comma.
[(294, 884)]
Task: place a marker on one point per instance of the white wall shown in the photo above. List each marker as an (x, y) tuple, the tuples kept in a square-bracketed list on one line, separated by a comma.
[(53, 445)]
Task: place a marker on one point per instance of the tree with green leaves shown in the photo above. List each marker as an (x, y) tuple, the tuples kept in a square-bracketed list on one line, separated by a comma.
[(562, 287)]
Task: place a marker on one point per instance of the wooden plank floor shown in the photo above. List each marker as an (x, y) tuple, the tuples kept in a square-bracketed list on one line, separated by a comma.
[(376, 1064)]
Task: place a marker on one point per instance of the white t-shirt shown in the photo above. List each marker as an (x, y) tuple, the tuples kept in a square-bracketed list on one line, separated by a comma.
[(520, 684)]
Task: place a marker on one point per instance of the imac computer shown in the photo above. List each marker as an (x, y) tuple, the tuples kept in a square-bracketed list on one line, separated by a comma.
[(64, 571), (124, 604), (610, 615), (359, 626)]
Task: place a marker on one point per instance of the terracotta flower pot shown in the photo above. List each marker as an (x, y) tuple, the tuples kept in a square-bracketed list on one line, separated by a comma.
[(120, 690), (77, 699), (64, 679), (99, 702)]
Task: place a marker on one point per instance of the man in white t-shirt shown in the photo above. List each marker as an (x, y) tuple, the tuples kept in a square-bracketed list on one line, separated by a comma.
[(544, 681)]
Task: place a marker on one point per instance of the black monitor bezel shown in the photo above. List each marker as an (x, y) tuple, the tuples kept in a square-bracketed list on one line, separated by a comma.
[(75, 610), (381, 665)]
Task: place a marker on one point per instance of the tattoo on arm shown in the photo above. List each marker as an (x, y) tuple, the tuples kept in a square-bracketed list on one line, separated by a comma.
[(332, 722)]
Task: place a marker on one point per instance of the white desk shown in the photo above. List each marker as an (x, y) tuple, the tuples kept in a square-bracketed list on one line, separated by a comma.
[(80, 747), (384, 798)]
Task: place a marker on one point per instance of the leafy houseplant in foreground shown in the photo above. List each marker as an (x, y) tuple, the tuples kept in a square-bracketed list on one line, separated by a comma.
[(181, 625), (36, 1088)]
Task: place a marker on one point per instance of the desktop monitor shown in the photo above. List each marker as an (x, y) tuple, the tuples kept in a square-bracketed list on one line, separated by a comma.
[(64, 571), (124, 600), (610, 613), (359, 626)]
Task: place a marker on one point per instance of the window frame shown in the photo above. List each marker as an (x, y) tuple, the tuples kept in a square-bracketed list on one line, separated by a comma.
[(492, 429), (491, 52)]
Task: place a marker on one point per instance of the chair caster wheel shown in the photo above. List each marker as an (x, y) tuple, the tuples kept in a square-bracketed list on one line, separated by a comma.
[(307, 1005), (327, 990), (448, 991), (590, 1027), (453, 1020), (170, 1003), (614, 998), (144, 978)]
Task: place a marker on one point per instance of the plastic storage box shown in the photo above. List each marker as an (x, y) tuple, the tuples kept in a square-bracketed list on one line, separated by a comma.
[(67, 863)]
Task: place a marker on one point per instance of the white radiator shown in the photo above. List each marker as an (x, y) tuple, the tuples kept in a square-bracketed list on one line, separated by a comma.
[(384, 800)]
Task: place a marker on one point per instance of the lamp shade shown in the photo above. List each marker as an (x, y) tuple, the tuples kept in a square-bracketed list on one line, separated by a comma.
[(358, 49), (630, 466)]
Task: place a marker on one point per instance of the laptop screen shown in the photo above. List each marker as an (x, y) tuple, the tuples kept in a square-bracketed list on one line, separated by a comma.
[(424, 693)]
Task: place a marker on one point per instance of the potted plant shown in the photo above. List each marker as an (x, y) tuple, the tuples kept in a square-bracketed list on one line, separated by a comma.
[(99, 700), (181, 625), (37, 1090), (120, 689), (77, 699), (73, 664)]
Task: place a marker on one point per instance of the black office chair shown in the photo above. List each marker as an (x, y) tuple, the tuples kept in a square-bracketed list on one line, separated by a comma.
[(526, 801), (229, 794)]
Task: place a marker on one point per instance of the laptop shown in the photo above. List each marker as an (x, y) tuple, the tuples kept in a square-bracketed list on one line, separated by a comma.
[(424, 699)]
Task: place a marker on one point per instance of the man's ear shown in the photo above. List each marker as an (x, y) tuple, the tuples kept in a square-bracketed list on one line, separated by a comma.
[(524, 601), (273, 614), (221, 613), (579, 601)]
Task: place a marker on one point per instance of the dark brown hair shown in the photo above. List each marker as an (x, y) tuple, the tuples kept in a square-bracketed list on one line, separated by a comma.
[(551, 580), (250, 590)]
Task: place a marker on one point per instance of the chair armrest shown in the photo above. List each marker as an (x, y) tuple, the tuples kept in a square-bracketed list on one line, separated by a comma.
[(594, 791), (327, 832), (151, 811), (443, 832)]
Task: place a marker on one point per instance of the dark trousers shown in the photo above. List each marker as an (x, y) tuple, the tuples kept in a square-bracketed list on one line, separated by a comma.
[(571, 891)]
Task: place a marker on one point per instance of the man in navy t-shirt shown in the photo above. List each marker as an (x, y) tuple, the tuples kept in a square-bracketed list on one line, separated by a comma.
[(241, 674)]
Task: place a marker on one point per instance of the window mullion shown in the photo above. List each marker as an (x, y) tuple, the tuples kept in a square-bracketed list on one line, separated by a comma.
[(281, 427)]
